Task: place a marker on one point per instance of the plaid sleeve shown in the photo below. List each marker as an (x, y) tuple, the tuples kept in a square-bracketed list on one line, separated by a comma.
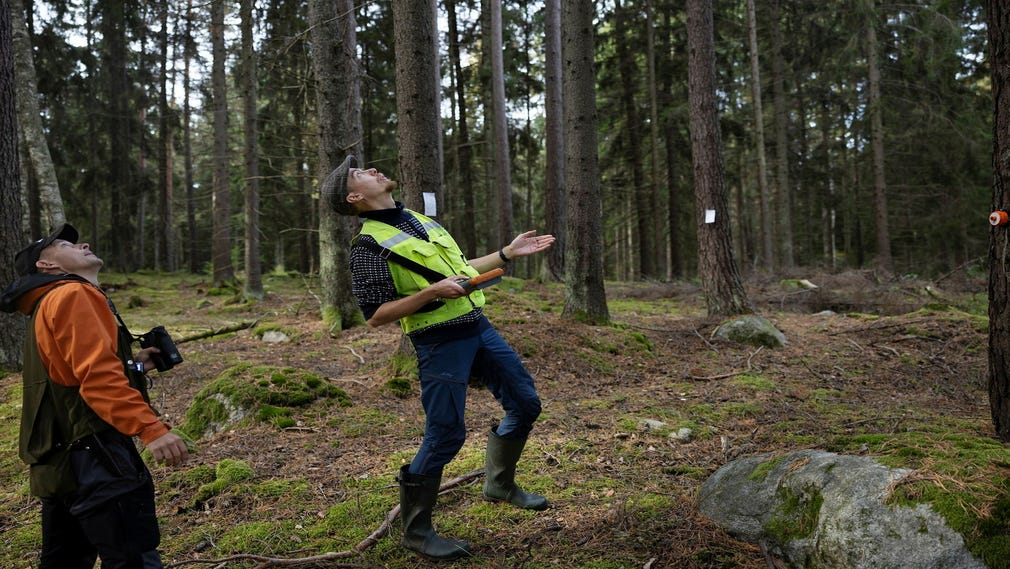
[(371, 281)]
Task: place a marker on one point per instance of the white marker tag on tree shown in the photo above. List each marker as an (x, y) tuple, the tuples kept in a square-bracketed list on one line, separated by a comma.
[(429, 204), (709, 216)]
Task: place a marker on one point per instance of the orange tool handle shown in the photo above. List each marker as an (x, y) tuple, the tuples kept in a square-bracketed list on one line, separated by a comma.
[(484, 277)]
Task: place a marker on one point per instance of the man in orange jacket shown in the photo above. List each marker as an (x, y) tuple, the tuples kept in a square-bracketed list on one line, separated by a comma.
[(85, 397)]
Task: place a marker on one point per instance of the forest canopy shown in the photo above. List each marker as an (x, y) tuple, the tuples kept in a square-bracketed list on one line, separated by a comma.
[(126, 103)]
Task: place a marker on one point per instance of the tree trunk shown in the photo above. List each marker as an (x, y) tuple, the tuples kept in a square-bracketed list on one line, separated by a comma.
[(114, 66), (468, 230), (187, 143), (585, 297), (338, 102), (221, 232), (554, 183), (673, 142), (12, 327), (783, 194), (873, 103), (656, 216), (29, 118), (998, 15), (419, 129), (764, 198), (253, 267), (502, 160), (166, 240), (720, 279), (642, 249)]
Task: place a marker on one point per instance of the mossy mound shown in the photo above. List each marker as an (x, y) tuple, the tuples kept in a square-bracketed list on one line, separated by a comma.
[(266, 393)]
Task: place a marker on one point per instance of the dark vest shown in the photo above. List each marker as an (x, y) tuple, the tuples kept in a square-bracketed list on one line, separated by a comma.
[(53, 416)]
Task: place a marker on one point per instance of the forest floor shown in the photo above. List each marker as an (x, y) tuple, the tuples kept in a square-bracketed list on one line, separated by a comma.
[(863, 378)]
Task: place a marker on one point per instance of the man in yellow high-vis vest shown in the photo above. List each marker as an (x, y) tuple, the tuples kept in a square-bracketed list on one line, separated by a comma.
[(406, 267)]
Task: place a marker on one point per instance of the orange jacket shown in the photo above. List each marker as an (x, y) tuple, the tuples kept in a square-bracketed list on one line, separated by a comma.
[(76, 333)]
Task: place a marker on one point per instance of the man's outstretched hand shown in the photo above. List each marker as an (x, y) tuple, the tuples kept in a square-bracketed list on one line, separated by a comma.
[(527, 244)]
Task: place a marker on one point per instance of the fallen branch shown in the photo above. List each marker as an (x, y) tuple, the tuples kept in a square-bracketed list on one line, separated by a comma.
[(217, 332), (731, 374), (356, 551)]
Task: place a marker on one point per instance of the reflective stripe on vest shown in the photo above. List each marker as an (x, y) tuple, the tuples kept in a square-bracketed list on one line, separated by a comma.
[(440, 253)]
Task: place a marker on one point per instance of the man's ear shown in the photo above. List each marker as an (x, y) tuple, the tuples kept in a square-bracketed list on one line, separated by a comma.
[(354, 197)]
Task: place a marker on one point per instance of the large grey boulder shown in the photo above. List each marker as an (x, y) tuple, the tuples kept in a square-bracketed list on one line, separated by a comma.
[(819, 509)]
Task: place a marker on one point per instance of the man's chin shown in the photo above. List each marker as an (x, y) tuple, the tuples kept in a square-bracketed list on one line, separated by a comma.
[(391, 185)]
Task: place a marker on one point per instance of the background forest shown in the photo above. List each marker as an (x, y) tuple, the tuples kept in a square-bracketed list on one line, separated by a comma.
[(830, 159)]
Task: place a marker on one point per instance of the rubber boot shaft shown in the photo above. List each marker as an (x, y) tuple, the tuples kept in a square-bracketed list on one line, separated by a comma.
[(418, 495), (500, 484)]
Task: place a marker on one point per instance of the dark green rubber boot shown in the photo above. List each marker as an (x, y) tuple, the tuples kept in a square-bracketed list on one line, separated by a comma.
[(418, 495), (500, 483)]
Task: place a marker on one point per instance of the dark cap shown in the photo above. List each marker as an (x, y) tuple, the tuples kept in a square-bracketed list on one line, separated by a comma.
[(24, 261), (333, 190)]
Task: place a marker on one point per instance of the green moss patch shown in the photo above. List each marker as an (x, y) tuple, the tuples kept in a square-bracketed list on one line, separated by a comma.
[(265, 393)]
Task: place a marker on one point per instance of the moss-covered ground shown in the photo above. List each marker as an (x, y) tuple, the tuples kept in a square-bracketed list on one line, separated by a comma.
[(330, 416)]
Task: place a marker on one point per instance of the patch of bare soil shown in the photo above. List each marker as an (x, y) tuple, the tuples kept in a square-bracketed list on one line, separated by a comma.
[(838, 374)]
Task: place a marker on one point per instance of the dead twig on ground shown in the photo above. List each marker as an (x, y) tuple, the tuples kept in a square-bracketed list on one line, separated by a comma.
[(218, 331), (355, 354), (356, 551), (731, 374)]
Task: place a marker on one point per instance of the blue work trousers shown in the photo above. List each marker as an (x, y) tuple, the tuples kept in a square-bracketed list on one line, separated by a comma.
[(445, 369)]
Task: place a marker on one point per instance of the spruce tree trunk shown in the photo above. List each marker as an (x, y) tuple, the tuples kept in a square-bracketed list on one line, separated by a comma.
[(641, 261), (166, 237), (554, 184), (764, 192), (187, 143), (338, 102), (253, 267), (221, 231), (720, 280), (419, 128), (786, 257), (880, 216), (12, 326), (998, 14), (502, 159), (468, 230), (585, 297)]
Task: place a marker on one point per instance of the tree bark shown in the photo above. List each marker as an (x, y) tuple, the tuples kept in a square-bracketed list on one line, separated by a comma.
[(720, 279), (419, 129), (502, 160), (187, 142), (783, 194), (655, 215), (642, 258), (873, 103), (585, 297), (121, 223), (166, 218), (998, 15), (221, 231), (764, 198), (338, 102), (12, 329), (554, 183), (468, 230), (29, 117), (253, 267)]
